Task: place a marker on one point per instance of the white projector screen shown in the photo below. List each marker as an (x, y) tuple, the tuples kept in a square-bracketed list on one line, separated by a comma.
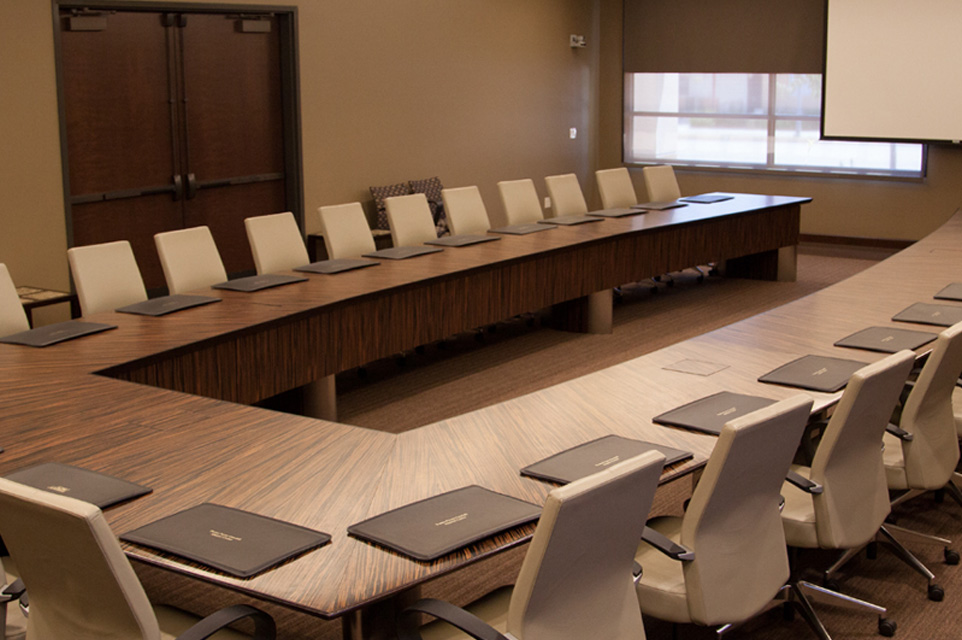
[(893, 70)]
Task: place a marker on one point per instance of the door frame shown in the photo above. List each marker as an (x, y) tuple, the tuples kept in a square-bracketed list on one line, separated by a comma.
[(290, 85)]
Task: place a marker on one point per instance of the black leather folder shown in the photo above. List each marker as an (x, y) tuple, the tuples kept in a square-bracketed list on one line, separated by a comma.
[(706, 198), (615, 213), (951, 292), (941, 315), (428, 529), (336, 266), (816, 373), (659, 206), (256, 283), (58, 332), (463, 240), (522, 229), (596, 455), (709, 414), (402, 253), (76, 482), (167, 304), (568, 221), (886, 339), (236, 542)]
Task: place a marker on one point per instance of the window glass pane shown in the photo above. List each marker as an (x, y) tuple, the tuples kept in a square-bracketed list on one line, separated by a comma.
[(725, 93), (708, 140), (798, 95), (797, 144)]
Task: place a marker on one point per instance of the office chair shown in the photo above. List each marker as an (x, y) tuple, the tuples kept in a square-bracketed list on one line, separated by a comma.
[(842, 499), (276, 242), (380, 194), (661, 183), (615, 187), (81, 585), (576, 581), (13, 621), (725, 560), (13, 318), (106, 276), (957, 406), (190, 259), (465, 210), (922, 451), (432, 188), (520, 201), (345, 229), (566, 196), (410, 220)]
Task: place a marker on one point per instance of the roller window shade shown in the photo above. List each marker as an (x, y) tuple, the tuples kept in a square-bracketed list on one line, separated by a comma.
[(724, 36)]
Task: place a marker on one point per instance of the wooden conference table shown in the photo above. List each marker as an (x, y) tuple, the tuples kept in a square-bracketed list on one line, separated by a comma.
[(161, 401)]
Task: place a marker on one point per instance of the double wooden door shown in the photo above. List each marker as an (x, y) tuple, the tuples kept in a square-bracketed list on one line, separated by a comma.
[(172, 120)]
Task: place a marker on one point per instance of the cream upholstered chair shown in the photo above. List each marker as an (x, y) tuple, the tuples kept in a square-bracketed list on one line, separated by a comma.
[(79, 582), (465, 210), (13, 319), (921, 454), (615, 187), (845, 500), (345, 229), (520, 201), (13, 622), (106, 276), (957, 406), (661, 183), (566, 196), (190, 259), (726, 560), (576, 581), (276, 242), (410, 220)]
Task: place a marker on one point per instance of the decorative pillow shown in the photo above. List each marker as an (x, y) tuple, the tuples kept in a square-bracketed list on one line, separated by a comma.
[(387, 191), (431, 188)]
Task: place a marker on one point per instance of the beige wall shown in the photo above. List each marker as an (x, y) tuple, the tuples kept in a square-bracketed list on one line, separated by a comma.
[(473, 91), (841, 207)]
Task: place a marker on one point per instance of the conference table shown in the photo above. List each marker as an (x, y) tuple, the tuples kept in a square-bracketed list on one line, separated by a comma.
[(164, 402)]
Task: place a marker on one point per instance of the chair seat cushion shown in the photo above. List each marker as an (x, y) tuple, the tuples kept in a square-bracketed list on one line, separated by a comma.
[(492, 608), (798, 515), (894, 462), (661, 591), (174, 622)]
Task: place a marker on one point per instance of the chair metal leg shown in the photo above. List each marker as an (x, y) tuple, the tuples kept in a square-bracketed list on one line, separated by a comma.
[(905, 555), (953, 489), (841, 562), (827, 596), (805, 608), (905, 497)]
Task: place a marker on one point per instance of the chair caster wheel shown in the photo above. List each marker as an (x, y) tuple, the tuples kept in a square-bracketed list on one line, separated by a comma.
[(832, 584), (936, 593), (951, 556), (419, 349), (871, 550), (939, 496), (886, 627), (700, 279)]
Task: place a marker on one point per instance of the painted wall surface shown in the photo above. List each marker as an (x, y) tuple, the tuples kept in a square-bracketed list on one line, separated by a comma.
[(472, 91)]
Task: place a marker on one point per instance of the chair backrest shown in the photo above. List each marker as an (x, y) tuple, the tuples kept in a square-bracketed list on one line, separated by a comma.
[(106, 276), (661, 183), (933, 452), (465, 210), (345, 229), (616, 188), (576, 579), (410, 220), (733, 523), (190, 259), (81, 585), (566, 196), (848, 462), (276, 242), (520, 200), (13, 319)]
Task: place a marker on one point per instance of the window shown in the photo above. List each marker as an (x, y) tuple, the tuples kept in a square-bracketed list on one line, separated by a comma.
[(747, 121)]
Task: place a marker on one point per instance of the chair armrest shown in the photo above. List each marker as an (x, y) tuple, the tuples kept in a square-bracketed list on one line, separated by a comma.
[(666, 546), (899, 433), (958, 382), (407, 622), (264, 628), (803, 483), (13, 591)]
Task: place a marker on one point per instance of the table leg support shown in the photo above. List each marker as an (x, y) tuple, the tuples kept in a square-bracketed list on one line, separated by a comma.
[(376, 621), (320, 399), (589, 314), (778, 264)]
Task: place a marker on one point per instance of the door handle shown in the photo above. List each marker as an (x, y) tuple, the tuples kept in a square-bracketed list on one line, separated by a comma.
[(178, 188), (191, 186)]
